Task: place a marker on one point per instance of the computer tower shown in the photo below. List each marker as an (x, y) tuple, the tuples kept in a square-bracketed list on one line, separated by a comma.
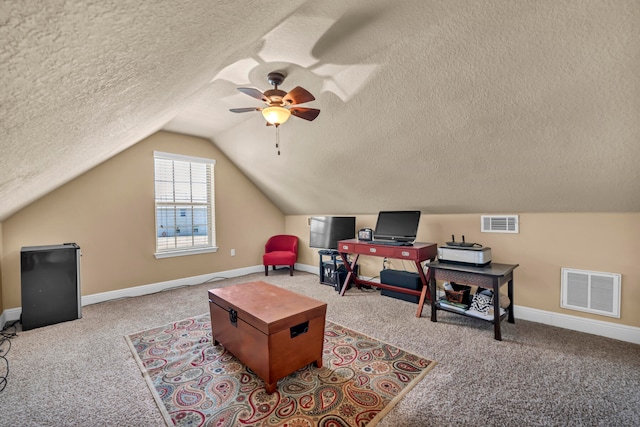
[(403, 279), (50, 284)]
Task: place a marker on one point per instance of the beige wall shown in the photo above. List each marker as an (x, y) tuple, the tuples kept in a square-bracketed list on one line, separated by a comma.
[(109, 212), (546, 243)]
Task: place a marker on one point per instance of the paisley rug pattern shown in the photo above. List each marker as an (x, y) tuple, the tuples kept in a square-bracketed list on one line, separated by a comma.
[(198, 384)]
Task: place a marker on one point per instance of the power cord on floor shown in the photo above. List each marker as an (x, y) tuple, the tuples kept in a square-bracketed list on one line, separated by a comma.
[(5, 346)]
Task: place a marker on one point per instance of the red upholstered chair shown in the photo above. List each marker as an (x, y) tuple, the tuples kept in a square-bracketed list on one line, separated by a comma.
[(280, 250)]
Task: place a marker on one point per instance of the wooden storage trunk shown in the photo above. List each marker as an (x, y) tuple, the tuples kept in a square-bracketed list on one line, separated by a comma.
[(271, 330)]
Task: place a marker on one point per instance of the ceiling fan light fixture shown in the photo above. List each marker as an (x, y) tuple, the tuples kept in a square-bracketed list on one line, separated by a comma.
[(276, 115)]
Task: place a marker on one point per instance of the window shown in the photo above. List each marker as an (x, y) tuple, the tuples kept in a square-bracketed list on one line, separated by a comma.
[(184, 199)]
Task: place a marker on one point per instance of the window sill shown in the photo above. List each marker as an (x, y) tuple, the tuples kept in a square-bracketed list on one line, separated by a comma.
[(184, 252)]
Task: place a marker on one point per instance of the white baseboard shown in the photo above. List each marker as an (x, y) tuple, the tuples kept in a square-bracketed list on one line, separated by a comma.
[(313, 269), (590, 326), (597, 327), (14, 313), (9, 315), (161, 286)]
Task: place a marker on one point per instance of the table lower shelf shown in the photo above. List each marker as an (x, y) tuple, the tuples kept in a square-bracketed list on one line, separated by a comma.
[(473, 316)]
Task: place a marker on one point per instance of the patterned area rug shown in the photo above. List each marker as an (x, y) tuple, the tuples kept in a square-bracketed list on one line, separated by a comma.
[(198, 384)]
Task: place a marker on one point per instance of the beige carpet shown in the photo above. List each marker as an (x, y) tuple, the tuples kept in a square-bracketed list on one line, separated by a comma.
[(82, 373)]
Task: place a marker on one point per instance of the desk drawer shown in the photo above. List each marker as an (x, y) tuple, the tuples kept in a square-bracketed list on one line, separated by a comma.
[(404, 252), (346, 248), (378, 250)]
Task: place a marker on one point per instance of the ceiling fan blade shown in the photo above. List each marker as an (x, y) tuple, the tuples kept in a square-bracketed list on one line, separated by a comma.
[(298, 95), (244, 110), (255, 93), (305, 113)]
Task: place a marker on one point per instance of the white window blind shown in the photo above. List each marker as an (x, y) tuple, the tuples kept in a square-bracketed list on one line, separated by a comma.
[(184, 203)]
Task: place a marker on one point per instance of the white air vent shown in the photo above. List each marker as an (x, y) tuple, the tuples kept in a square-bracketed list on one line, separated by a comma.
[(591, 291), (499, 224)]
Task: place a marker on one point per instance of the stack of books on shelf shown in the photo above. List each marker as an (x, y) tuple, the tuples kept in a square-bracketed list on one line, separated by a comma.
[(456, 306)]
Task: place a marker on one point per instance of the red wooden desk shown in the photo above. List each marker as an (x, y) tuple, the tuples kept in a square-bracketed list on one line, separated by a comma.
[(417, 253)]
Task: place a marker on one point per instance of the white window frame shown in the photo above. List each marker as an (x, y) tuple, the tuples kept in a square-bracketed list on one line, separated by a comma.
[(194, 248)]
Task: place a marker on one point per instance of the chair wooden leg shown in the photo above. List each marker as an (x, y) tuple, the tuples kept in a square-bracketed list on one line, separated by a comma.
[(291, 270), (266, 270)]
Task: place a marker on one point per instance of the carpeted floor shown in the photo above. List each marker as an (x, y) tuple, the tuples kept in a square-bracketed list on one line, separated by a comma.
[(82, 373)]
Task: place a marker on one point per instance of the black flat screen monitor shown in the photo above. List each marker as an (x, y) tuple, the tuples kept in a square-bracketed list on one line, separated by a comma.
[(327, 231), (401, 226)]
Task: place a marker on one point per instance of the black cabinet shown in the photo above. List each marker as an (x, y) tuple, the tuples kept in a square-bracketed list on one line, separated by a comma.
[(328, 268), (50, 284), (333, 272)]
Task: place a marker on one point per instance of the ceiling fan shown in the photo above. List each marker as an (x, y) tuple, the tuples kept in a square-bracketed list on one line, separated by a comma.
[(281, 105)]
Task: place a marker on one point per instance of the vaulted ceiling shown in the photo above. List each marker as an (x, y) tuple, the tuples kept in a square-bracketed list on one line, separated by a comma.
[(443, 106)]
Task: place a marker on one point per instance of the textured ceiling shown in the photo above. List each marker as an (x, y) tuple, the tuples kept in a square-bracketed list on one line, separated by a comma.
[(443, 106)]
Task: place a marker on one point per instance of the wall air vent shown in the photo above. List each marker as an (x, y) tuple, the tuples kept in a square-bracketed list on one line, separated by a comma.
[(591, 291), (499, 224)]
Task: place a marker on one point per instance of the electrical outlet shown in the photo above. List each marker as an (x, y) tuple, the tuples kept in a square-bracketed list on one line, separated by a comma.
[(233, 252)]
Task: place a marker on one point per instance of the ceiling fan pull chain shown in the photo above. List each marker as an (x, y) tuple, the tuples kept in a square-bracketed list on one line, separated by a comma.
[(278, 139)]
